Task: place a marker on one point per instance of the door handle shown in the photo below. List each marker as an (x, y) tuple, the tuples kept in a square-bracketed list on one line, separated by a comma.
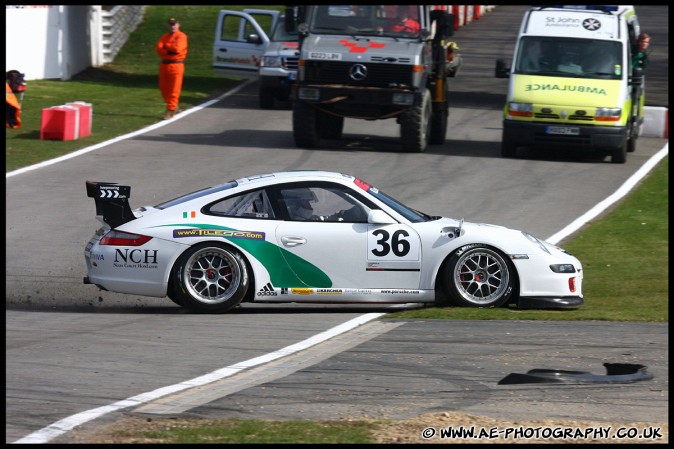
[(293, 241)]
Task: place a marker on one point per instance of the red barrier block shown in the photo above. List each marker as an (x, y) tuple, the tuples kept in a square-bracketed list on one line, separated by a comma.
[(60, 123), (86, 116)]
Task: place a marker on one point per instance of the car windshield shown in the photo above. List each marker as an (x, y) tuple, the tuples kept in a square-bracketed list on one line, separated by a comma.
[(410, 214), (568, 57), (197, 194)]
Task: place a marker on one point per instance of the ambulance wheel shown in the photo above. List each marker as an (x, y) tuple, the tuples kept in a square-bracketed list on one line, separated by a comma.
[(508, 148), (619, 155)]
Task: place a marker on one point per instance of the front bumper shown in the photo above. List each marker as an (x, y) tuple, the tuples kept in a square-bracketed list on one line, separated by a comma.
[(540, 302), (588, 138)]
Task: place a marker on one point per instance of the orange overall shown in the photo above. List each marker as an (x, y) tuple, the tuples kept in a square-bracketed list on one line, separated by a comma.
[(172, 49), (12, 110)]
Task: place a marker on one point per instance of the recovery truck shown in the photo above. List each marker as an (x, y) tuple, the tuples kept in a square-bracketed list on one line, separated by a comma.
[(372, 62)]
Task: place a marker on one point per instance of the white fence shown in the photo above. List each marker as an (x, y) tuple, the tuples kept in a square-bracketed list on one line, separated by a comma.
[(59, 41)]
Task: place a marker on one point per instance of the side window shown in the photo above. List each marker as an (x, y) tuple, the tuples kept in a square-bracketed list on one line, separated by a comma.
[(236, 29), (332, 204), (253, 204)]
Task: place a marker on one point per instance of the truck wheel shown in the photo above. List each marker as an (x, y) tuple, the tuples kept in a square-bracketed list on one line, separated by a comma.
[(415, 125), (439, 120), (305, 125), (266, 96), (331, 126), (619, 155)]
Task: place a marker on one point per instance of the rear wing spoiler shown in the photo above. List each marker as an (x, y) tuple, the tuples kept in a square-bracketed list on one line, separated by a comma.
[(112, 202)]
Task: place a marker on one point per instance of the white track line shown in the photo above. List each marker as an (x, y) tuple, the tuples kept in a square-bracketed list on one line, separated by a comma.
[(58, 428)]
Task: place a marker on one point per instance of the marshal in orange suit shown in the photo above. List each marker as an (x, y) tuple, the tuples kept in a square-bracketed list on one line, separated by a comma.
[(172, 49)]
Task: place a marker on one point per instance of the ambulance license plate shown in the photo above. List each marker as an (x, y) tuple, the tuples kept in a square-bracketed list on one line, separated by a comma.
[(565, 130)]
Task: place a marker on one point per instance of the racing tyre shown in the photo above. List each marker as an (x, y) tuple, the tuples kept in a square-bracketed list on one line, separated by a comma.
[(305, 125), (267, 96), (331, 126), (619, 155), (210, 278), (415, 125), (478, 276)]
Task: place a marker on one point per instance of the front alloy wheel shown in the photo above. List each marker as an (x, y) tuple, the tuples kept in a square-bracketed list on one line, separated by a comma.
[(478, 276)]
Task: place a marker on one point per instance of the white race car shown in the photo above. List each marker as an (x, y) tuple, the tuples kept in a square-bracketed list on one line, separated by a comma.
[(321, 237)]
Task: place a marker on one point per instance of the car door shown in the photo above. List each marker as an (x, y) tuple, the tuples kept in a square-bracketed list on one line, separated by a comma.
[(240, 41), (351, 252)]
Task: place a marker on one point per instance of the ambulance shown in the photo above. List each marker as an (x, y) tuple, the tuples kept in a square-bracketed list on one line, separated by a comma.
[(571, 82)]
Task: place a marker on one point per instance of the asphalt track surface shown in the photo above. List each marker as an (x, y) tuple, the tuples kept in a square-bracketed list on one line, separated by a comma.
[(68, 353)]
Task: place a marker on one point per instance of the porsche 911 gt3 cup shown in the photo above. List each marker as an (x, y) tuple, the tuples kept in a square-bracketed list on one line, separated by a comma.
[(316, 237)]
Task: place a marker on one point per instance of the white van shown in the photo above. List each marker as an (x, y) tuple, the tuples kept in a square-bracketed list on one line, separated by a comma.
[(254, 43), (571, 82)]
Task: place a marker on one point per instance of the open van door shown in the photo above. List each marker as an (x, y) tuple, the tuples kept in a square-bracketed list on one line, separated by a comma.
[(240, 40)]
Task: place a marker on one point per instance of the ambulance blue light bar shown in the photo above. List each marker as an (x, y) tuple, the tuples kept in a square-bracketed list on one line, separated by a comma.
[(604, 8)]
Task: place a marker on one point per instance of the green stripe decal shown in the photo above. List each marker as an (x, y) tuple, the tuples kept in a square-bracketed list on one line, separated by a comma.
[(285, 268)]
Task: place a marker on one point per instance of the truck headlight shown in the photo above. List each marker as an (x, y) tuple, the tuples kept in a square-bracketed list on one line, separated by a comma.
[(308, 93), (271, 61), (404, 99)]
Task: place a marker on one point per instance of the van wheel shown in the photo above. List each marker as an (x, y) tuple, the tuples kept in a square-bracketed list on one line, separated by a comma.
[(619, 155), (415, 125), (632, 140), (305, 125), (266, 96), (210, 278)]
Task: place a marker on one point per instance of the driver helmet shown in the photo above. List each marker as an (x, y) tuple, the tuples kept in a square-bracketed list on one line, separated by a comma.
[(299, 203)]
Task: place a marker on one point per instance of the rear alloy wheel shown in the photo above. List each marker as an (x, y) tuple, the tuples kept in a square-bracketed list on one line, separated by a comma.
[(478, 276), (210, 278)]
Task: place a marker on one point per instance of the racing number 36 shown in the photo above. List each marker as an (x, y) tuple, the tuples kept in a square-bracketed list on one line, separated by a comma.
[(393, 244)]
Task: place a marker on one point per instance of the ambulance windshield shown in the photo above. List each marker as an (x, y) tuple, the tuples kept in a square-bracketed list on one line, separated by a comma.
[(569, 57)]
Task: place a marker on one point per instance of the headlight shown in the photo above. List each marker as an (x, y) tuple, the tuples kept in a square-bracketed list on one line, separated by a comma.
[(563, 268), (521, 109), (404, 99), (608, 114), (308, 93), (271, 61), (535, 241)]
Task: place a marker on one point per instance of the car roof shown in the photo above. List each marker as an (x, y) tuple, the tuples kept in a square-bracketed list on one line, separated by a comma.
[(292, 175)]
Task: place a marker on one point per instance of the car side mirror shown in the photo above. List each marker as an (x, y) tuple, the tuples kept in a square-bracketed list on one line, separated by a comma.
[(254, 39), (378, 216)]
